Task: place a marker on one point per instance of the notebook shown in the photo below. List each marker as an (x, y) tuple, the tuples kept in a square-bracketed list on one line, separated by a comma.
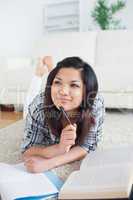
[(18, 184)]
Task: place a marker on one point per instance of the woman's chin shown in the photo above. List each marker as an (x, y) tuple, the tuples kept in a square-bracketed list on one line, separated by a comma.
[(66, 107)]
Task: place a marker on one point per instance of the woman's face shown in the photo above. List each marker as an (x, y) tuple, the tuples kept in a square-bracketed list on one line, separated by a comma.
[(67, 89)]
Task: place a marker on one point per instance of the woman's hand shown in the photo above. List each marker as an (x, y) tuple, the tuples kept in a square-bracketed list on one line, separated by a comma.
[(36, 164), (32, 151), (68, 137)]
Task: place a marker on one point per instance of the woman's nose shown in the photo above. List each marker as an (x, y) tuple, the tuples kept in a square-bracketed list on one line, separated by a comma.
[(64, 90)]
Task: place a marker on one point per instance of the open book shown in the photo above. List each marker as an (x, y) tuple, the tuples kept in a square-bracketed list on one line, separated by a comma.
[(104, 174), (17, 183)]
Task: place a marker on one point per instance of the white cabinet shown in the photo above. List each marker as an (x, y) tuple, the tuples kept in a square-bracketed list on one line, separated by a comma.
[(61, 16), (64, 15)]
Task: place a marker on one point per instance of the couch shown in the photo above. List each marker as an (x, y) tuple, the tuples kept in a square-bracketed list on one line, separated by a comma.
[(114, 67), (109, 52)]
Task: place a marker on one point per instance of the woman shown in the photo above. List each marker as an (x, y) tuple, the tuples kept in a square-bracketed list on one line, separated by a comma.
[(50, 140)]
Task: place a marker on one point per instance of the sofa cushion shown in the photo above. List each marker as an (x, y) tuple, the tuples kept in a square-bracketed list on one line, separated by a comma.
[(114, 60)]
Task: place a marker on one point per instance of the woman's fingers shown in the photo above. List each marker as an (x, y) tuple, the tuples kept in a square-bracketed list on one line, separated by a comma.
[(69, 133), (69, 136), (68, 139), (70, 127), (69, 142)]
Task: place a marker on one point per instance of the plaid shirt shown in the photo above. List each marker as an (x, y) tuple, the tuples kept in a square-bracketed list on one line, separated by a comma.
[(38, 133)]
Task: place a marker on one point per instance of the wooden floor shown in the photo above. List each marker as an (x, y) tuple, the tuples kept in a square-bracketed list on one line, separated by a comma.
[(7, 118)]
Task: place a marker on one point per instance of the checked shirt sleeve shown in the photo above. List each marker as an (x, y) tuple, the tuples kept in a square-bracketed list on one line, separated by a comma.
[(96, 131), (36, 132)]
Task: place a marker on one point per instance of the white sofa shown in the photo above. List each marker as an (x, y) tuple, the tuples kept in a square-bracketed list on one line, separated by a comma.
[(109, 52), (15, 77), (114, 67)]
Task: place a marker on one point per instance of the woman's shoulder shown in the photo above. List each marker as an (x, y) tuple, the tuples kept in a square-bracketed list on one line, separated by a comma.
[(36, 107), (99, 100), (38, 100), (98, 105)]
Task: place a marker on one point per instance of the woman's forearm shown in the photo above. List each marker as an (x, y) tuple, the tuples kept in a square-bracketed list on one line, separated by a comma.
[(37, 164), (46, 152), (76, 153)]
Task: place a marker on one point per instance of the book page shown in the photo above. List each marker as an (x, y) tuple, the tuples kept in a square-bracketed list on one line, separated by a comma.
[(16, 182), (13, 172), (98, 182), (116, 155)]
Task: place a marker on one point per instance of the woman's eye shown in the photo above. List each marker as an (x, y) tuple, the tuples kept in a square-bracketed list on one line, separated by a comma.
[(57, 82), (74, 85)]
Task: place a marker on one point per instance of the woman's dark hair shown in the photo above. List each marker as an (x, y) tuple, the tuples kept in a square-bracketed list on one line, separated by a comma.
[(84, 119)]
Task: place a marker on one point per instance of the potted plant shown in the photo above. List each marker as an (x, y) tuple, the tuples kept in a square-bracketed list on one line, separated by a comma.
[(104, 14)]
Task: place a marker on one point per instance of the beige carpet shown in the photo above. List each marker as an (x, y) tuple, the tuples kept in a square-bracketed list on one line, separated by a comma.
[(118, 129)]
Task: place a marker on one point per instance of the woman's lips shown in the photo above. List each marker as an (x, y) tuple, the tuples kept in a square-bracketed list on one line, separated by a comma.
[(64, 100)]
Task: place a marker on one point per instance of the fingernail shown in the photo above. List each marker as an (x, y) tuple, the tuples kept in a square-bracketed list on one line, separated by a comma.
[(75, 125)]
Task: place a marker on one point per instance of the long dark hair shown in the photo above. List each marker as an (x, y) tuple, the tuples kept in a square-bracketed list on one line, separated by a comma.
[(84, 119)]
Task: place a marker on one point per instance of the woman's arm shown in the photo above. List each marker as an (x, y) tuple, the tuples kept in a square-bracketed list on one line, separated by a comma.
[(39, 164), (67, 139), (45, 152), (76, 153)]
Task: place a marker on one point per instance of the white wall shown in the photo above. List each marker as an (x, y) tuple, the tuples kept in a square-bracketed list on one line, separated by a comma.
[(127, 14), (21, 25)]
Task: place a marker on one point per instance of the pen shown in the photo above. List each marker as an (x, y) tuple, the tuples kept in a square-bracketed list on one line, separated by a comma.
[(65, 114), (67, 118)]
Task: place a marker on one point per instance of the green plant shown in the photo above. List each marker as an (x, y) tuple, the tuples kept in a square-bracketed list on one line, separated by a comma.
[(103, 14)]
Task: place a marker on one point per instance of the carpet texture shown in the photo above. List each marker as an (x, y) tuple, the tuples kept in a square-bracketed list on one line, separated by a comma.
[(118, 130)]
